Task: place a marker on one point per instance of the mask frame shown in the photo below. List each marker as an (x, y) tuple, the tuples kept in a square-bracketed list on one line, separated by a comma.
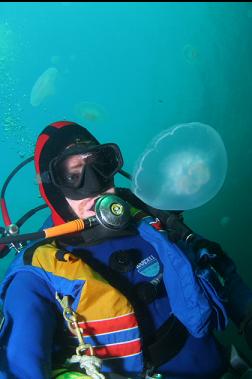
[(99, 164)]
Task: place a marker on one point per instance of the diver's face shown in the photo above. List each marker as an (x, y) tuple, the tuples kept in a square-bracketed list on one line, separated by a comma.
[(73, 169), (82, 208)]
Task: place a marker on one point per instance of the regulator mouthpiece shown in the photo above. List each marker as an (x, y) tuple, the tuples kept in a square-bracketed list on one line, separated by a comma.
[(112, 212)]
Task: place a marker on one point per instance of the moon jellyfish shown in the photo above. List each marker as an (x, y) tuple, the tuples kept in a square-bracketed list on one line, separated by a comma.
[(86, 111), (44, 87), (224, 221), (183, 168)]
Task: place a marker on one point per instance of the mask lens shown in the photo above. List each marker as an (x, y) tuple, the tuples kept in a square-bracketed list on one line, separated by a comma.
[(107, 161), (71, 180), (69, 171)]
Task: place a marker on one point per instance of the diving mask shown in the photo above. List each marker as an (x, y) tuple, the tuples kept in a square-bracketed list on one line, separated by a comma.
[(80, 172)]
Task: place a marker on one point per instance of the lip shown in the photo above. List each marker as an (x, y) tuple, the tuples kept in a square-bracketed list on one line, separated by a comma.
[(91, 203)]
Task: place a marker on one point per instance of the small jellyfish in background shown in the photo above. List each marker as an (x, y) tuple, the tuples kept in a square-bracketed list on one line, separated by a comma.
[(55, 59), (87, 111), (249, 13), (224, 221), (191, 53), (44, 86)]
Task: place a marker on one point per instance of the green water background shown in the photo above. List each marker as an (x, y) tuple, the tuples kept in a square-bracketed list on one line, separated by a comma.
[(127, 71)]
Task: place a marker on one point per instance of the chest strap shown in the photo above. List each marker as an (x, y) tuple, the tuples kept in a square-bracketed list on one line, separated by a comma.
[(167, 342)]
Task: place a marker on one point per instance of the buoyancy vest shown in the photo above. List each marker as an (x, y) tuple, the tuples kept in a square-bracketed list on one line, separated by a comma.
[(112, 318)]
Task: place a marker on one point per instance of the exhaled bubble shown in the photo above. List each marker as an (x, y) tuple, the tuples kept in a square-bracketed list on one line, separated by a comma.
[(191, 53), (6, 43), (10, 123), (44, 86), (21, 154)]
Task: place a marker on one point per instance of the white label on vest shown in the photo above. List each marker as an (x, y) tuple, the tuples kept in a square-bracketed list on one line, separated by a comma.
[(148, 267)]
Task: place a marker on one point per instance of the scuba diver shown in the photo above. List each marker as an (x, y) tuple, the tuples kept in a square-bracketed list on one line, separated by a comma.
[(127, 295)]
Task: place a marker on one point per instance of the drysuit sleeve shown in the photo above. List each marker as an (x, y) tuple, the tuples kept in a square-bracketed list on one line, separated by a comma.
[(26, 338), (238, 294), (240, 304)]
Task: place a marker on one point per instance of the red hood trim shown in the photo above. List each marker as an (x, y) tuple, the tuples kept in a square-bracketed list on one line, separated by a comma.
[(60, 124), (57, 220), (47, 191)]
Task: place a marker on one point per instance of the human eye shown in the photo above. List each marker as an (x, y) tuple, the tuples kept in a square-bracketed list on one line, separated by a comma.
[(73, 177)]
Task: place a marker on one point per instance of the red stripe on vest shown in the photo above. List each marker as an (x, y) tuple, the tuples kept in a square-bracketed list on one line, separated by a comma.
[(118, 350), (108, 325)]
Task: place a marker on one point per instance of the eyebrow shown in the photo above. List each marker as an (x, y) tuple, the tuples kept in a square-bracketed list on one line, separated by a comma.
[(79, 162)]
